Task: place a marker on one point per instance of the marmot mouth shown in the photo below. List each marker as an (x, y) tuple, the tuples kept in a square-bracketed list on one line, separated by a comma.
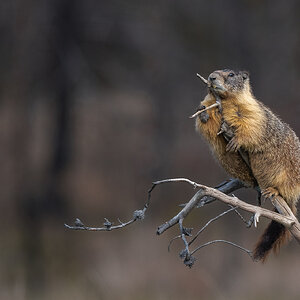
[(218, 91), (217, 88)]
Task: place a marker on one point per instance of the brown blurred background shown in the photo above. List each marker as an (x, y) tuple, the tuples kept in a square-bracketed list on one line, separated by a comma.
[(95, 99)]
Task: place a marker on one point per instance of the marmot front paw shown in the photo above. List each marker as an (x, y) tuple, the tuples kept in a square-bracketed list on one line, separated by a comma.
[(227, 131), (204, 116)]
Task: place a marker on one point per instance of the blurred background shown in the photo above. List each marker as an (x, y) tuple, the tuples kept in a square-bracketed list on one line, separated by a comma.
[(95, 99)]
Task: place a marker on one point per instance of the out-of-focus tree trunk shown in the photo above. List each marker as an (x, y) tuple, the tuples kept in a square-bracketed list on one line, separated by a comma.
[(43, 40)]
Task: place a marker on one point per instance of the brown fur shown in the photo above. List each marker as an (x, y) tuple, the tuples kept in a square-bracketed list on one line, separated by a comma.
[(273, 147), (231, 162)]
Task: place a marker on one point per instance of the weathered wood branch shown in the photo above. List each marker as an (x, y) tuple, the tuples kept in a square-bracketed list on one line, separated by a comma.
[(226, 187), (108, 225), (202, 197), (285, 210), (288, 219)]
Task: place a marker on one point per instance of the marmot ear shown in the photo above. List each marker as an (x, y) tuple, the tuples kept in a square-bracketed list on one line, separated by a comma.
[(245, 75)]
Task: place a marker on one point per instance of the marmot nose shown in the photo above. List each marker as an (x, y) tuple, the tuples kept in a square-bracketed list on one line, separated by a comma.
[(212, 77)]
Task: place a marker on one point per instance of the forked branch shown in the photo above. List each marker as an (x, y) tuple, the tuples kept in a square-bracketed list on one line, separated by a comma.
[(288, 220), (203, 196)]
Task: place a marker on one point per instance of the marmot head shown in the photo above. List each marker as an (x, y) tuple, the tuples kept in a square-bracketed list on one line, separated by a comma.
[(226, 83)]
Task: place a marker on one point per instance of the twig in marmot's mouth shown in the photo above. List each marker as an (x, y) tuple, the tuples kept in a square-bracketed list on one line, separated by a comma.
[(202, 110), (218, 103), (202, 78)]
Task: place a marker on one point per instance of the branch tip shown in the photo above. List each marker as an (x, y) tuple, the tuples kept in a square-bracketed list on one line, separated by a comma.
[(202, 78), (198, 112), (189, 261)]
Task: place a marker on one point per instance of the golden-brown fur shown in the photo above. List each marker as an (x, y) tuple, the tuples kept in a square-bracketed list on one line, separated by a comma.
[(272, 146), (231, 162)]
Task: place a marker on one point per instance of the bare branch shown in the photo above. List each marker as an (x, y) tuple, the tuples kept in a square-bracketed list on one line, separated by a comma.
[(203, 196), (209, 222), (172, 240), (182, 214), (227, 187), (104, 228), (194, 184), (183, 234), (249, 222), (223, 241), (289, 220), (202, 78), (204, 109), (108, 226), (285, 210)]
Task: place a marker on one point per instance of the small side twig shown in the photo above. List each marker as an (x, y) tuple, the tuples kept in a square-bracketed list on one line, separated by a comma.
[(225, 242), (107, 225), (202, 78), (183, 234), (204, 109), (185, 253), (209, 222), (249, 222), (218, 100), (172, 240)]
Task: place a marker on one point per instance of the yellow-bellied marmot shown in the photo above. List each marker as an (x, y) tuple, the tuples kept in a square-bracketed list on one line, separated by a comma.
[(272, 146)]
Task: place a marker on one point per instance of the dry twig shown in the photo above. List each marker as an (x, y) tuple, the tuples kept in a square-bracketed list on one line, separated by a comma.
[(218, 100), (107, 225), (202, 78), (204, 109)]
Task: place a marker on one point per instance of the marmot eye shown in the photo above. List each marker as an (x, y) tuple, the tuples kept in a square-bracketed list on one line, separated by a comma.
[(231, 74)]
